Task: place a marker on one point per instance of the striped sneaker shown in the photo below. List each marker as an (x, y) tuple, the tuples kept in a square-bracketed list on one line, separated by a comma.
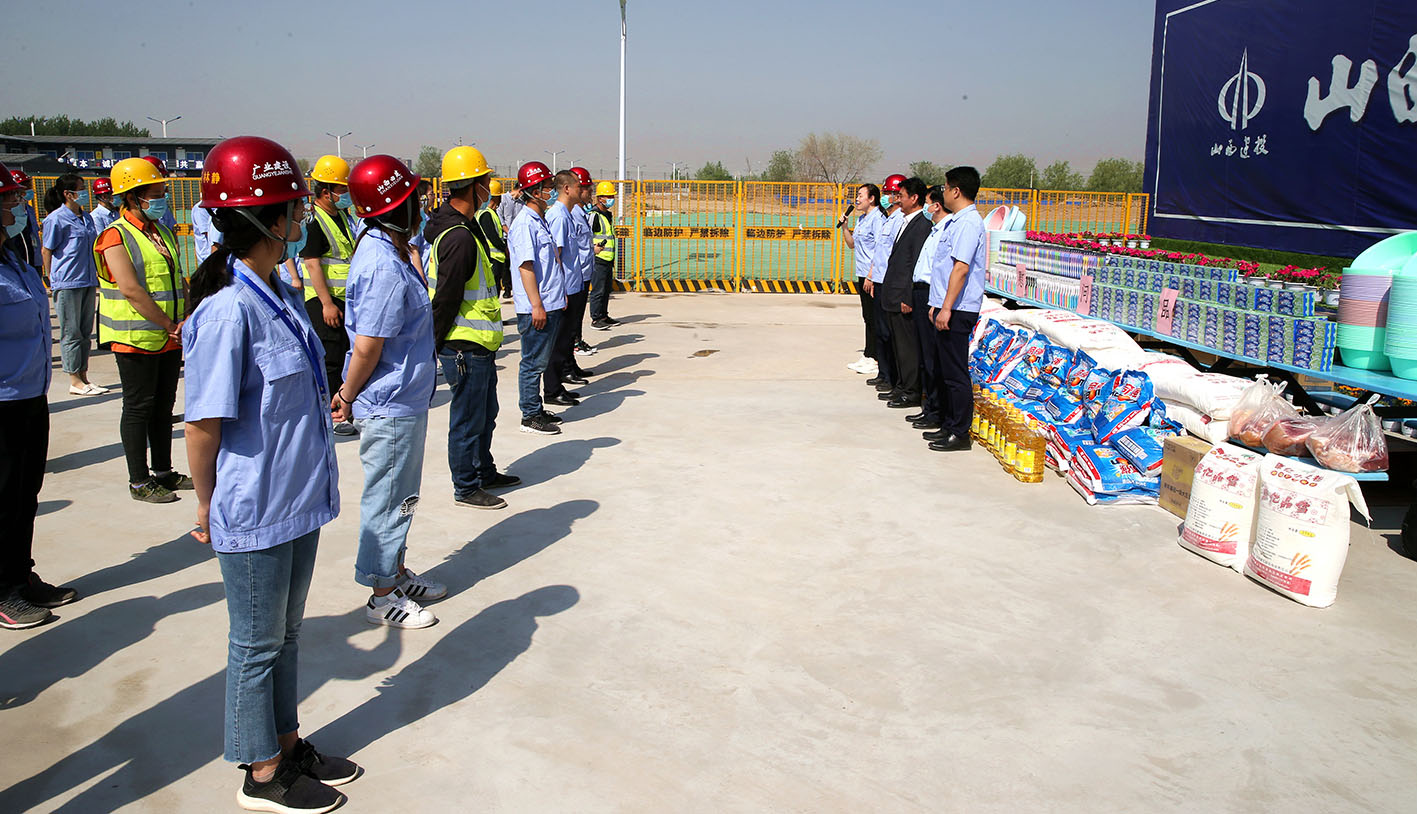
[(421, 589), (397, 610)]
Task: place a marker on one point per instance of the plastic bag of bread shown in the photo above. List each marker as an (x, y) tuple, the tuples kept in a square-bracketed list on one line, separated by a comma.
[(1255, 422), (1257, 395), (1352, 441), (1288, 435)]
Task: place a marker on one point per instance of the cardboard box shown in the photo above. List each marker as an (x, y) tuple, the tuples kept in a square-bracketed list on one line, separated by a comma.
[(1180, 456)]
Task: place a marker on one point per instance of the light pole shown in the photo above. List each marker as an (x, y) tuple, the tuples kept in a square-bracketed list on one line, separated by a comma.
[(554, 154), (164, 123), (621, 161), (674, 169), (338, 154), (363, 148)]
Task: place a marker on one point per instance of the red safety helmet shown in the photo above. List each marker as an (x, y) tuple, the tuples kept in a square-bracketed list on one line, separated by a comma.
[(582, 176), (10, 179), (380, 183), (532, 173), (102, 186), (893, 182), (20, 177), (157, 162), (250, 171)]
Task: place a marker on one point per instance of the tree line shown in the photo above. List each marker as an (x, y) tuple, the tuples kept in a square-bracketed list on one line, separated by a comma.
[(67, 126)]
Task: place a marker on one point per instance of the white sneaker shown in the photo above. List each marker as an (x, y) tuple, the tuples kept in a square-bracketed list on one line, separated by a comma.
[(397, 610), (421, 589), (92, 389)]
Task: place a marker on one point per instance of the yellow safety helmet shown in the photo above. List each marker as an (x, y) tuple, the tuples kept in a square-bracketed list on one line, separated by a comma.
[(495, 187), (606, 189), (463, 163), (131, 173), (331, 169)]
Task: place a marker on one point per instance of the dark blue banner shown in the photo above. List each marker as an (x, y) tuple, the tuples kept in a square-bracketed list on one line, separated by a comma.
[(1283, 124)]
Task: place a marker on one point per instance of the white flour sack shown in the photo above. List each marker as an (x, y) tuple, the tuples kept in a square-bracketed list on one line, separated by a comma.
[(1222, 509), (1205, 427), (1302, 530), (1212, 394)]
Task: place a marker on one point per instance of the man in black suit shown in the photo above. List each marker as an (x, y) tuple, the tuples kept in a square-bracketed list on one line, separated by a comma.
[(895, 295)]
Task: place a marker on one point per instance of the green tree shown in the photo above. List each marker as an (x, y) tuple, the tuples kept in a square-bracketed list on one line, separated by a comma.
[(929, 171), (1013, 171), (1060, 175), (65, 126), (1116, 175), (780, 167), (713, 171), (430, 162), (305, 165)]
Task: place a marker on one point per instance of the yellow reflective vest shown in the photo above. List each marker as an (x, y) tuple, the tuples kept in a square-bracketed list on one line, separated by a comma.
[(336, 260), (160, 276), (480, 315), (604, 230)]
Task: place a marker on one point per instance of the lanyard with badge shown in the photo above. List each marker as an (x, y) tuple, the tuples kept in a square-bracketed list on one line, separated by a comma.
[(285, 316)]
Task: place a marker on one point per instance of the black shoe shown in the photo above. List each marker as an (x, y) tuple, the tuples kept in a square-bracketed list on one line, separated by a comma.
[(479, 499), (875, 380), (561, 399), (332, 771), (538, 425), (41, 593), (928, 423), (914, 417), (502, 480), (551, 417), (612, 321), (582, 372), (152, 492), (18, 613), (572, 378), (902, 402), (886, 387), (174, 481), (887, 395), (601, 324), (581, 346), (951, 443), (289, 791), (935, 435)]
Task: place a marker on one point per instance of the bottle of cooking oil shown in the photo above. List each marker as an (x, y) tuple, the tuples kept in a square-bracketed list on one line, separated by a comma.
[(1011, 444)]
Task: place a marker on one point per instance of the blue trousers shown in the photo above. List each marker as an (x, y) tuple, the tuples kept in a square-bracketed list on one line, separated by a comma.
[(536, 350), (392, 454), (473, 380), (266, 593)]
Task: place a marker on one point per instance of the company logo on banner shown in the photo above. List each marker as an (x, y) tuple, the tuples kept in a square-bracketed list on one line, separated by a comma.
[(1264, 132)]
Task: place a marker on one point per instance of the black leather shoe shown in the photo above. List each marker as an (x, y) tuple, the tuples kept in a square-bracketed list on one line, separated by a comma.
[(887, 395), (928, 423), (952, 443), (914, 417), (561, 400), (936, 435), (875, 380), (572, 378), (583, 372), (885, 387), (900, 403)]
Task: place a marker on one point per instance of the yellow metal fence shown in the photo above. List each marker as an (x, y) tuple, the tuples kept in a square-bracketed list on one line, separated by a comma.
[(751, 235)]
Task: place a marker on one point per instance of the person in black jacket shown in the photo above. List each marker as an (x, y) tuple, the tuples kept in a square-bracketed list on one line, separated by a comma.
[(895, 296), (495, 233)]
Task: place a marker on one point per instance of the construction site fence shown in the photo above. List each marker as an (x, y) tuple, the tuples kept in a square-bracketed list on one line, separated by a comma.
[(760, 236)]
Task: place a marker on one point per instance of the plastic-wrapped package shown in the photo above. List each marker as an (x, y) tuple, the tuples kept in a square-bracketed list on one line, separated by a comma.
[(1288, 435), (1259, 407), (1351, 442), (1096, 389), (1078, 372), (1055, 364), (1128, 404)]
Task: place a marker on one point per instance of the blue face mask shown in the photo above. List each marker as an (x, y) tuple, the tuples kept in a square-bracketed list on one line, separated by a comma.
[(344, 201), (29, 196), (22, 220), (610, 203), (83, 199), (156, 208)]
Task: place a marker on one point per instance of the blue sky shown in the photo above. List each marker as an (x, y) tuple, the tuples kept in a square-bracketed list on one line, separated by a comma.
[(726, 80)]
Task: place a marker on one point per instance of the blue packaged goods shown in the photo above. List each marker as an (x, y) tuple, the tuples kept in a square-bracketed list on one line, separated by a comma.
[(1143, 447), (1105, 471), (1054, 367), (1189, 287), (1024, 366), (1094, 391), (1159, 419), (1063, 408), (1078, 372), (988, 350), (1039, 391), (1129, 401)]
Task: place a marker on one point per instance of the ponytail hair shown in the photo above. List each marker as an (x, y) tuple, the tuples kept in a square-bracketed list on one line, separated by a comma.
[(239, 237), (68, 182)]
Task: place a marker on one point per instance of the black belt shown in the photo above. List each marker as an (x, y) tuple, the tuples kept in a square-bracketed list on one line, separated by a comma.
[(921, 286)]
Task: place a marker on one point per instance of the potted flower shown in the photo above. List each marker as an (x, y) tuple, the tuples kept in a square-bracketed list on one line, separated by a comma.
[(1132, 241), (1143, 241)]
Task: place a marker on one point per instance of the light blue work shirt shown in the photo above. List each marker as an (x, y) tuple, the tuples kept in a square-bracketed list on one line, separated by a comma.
[(204, 234), (886, 238), (276, 474), (585, 253), (921, 273), (509, 208), (864, 240), (530, 238), (562, 223), (102, 216), (963, 240), (70, 240), (25, 338), (385, 297)]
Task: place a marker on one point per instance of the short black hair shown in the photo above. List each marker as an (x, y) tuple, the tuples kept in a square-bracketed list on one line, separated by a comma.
[(937, 195), (873, 192), (915, 187), (564, 179), (966, 179)]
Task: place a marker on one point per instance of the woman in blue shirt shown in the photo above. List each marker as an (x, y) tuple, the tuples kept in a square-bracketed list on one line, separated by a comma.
[(388, 384), (263, 465), (68, 256), (25, 599)]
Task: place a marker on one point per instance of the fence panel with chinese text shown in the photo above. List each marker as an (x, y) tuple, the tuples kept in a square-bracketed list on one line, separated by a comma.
[(788, 239), (688, 234)]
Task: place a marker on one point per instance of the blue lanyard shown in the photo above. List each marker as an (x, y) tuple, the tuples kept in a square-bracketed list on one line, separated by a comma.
[(285, 316)]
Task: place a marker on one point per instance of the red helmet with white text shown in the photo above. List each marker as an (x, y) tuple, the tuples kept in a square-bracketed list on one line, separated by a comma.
[(381, 183), (582, 176), (20, 177), (532, 173), (893, 182), (102, 186), (250, 171)]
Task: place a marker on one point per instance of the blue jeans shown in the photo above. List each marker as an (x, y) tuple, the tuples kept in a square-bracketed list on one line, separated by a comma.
[(266, 592), (473, 380), (392, 454), (536, 349), (75, 309)]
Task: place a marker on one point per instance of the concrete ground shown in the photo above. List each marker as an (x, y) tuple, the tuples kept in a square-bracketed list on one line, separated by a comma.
[(735, 583)]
